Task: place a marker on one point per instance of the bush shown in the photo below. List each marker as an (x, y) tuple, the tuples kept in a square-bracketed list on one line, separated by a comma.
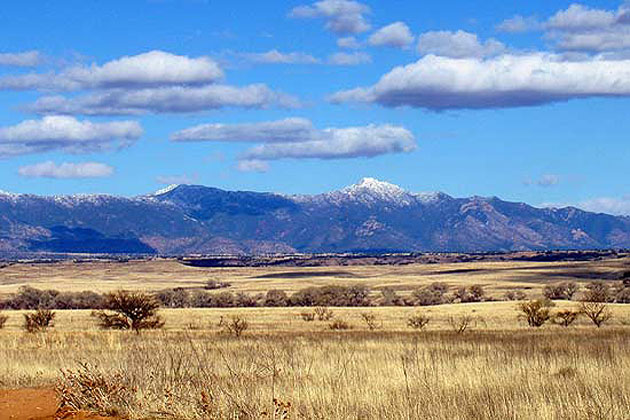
[(323, 314), (474, 293), (3, 320), (536, 312), (308, 316), (565, 318), (434, 294), (461, 323), (370, 320), (389, 297), (597, 291), (214, 284), (339, 324), (174, 298), (276, 298), (235, 325), (132, 311), (560, 291), (515, 295), (597, 312), (40, 320), (418, 321), (357, 295)]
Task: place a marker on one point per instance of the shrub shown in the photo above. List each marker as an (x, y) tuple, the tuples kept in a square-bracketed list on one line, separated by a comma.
[(132, 311), (565, 318), (214, 284), (515, 295), (370, 320), (474, 293), (323, 314), (597, 312), (40, 320), (389, 297), (536, 312), (597, 291), (461, 323), (3, 320), (357, 295), (418, 321), (434, 294), (235, 325), (621, 292), (339, 324), (174, 298), (276, 298), (560, 291), (308, 316)]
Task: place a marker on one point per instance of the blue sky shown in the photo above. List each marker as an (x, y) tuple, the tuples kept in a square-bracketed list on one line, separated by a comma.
[(527, 101)]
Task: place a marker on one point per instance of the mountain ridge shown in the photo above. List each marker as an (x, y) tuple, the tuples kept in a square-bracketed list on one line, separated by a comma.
[(371, 216)]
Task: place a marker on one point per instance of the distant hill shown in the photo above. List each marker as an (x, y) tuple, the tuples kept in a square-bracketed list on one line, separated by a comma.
[(371, 216)]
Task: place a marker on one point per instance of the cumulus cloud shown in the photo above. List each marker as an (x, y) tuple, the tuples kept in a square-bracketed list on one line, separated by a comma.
[(287, 130), (397, 35), (518, 23), (21, 59), (581, 28), (252, 165), (66, 134), (440, 83), (154, 68), (173, 99), (177, 179), (277, 57), (609, 205), (458, 44), (299, 138), (66, 170), (348, 42), (349, 59), (546, 180), (339, 143), (343, 17)]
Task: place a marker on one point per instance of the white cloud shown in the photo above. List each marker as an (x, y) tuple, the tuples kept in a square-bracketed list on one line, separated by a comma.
[(578, 17), (277, 57), (518, 23), (66, 170), (154, 68), (21, 59), (343, 17), (174, 99), (546, 180), (506, 81), (67, 134), (609, 205), (339, 143), (349, 59), (287, 130), (177, 179), (298, 138), (396, 35), (458, 44), (252, 165), (348, 42)]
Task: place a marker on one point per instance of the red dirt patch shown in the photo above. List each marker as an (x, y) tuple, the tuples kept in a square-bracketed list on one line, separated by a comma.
[(35, 404)]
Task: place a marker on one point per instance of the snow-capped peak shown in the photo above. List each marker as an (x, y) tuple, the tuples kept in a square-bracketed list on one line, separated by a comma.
[(378, 189), (164, 190)]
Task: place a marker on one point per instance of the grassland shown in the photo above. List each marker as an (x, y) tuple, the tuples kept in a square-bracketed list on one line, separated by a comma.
[(499, 369)]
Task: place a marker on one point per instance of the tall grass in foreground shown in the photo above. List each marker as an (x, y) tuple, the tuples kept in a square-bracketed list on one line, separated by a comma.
[(545, 374)]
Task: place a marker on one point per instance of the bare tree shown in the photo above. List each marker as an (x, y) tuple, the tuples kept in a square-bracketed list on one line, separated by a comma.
[(565, 318), (461, 323), (597, 312), (535, 312), (132, 311)]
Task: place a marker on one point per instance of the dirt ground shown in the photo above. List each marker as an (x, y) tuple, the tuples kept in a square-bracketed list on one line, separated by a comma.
[(35, 404)]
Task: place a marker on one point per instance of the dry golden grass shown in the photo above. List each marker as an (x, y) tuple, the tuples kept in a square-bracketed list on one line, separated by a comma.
[(496, 277), (499, 369)]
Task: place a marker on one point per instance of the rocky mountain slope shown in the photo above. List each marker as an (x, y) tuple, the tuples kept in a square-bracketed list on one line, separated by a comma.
[(369, 216)]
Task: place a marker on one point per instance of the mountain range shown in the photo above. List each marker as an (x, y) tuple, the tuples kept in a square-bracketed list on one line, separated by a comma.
[(370, 216)]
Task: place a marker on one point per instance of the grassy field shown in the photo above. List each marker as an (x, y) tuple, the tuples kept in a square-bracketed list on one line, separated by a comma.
[(286, 368), (496, 277)]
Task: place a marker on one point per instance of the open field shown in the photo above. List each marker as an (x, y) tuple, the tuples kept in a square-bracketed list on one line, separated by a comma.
[(286, 368), (152, 275)]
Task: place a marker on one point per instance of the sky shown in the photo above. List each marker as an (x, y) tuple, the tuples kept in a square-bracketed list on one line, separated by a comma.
[(527, 101)]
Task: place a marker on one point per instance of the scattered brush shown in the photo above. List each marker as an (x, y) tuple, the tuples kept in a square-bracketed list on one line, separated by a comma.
[(38, 321)]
